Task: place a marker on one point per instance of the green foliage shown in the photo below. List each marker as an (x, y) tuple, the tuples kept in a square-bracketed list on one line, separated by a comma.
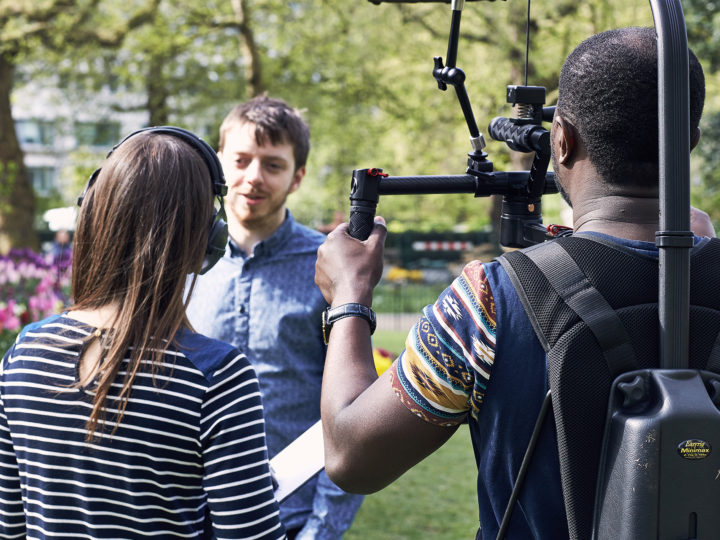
[(702, 18), (705, 192), (405, 297), (43, 203), (362, 74), (383, 107), (82, 163)]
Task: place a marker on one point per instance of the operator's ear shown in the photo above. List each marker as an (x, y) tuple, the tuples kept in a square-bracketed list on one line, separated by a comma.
[(695, 138), (564, 140)]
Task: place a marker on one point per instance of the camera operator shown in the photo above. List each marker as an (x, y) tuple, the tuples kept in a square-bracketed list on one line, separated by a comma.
[(473, 355)]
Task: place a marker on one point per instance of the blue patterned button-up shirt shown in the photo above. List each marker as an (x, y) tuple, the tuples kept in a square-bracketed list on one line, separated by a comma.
[(268, 306)]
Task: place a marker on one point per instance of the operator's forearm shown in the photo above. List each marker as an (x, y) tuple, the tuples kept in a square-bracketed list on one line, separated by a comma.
[(349, 371), (371, 438)]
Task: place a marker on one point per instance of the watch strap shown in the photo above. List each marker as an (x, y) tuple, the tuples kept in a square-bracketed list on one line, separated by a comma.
[(331, 315)]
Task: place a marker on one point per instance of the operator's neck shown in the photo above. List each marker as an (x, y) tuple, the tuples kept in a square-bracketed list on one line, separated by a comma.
[(102, 317), (634, 218)]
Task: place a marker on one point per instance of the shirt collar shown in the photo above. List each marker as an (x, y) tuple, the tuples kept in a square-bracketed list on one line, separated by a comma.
[(270, 245)]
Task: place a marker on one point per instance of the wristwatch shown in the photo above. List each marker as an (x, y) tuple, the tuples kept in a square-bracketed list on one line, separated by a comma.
[(330, 315)]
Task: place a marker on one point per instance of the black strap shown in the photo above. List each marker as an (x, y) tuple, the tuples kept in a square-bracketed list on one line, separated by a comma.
[(525, 301), (522, 473), (571, 284)]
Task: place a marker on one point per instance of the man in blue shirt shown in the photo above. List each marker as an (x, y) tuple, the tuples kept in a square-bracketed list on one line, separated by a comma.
[(261, 296)]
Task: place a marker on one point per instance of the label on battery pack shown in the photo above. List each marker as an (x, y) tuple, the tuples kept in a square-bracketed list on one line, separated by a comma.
[(694, 449)]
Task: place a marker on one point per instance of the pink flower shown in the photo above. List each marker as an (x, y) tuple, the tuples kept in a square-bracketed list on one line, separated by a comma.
[(8, 319)]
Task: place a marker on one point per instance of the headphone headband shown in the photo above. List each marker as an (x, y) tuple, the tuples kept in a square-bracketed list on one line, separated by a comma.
[(218, 227), (208, 154)]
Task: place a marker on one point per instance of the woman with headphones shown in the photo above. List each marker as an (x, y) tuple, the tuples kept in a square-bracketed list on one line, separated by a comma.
[(116, 418)]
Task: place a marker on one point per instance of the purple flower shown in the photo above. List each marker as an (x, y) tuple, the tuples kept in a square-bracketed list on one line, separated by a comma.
[(32, 287)]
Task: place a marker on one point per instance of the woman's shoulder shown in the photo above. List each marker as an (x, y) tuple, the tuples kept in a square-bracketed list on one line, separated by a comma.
[(208, 354)]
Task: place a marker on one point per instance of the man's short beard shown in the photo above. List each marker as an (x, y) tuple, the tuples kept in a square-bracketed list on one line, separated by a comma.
[(560, 189)]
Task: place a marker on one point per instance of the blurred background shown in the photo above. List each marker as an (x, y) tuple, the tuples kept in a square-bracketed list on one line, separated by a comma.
[(78, 75)]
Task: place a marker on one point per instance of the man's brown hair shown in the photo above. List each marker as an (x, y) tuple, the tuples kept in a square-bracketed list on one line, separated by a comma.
[(275, 123)]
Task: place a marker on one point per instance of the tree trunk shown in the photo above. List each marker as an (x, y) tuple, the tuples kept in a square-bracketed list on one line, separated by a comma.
[(17, 199), (251, 55), (157, 91)]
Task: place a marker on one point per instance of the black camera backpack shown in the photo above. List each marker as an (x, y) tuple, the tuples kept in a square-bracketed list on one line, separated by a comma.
[(644, 463), (633, 348)]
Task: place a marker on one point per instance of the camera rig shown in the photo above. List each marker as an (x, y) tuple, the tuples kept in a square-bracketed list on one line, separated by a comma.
[(521, 217), (666, 500)]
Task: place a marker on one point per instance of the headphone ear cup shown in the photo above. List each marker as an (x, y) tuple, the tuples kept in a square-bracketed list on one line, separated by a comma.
[(217, 241)]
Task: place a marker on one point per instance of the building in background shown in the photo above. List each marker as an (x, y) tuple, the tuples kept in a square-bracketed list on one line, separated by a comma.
[(61, 136)]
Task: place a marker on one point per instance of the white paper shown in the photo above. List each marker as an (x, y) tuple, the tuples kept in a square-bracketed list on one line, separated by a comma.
[(298, 462)]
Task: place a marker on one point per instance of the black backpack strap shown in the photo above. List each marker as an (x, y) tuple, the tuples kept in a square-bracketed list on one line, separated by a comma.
[(571, 284), (575, 290), (527, 457)]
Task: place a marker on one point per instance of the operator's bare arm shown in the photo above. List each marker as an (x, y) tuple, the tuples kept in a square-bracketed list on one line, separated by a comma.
[(371, 438)]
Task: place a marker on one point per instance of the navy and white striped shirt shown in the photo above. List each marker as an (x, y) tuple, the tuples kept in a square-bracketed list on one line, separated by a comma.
[(188, 460)]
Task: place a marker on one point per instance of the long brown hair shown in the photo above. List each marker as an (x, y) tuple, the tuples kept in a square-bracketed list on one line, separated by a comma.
[(143, 227)]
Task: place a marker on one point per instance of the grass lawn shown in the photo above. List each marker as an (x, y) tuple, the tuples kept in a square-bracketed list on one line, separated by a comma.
[(435, 500), (392, 340)]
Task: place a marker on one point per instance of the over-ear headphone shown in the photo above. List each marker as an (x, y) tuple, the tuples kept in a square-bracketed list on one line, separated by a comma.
[(217, 240)]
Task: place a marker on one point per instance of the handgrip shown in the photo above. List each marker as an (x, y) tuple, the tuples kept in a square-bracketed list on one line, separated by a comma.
[(362, 219), (364, 198), (520, 137)]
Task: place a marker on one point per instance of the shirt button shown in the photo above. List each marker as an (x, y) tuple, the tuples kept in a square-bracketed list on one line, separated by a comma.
[(242, 308)]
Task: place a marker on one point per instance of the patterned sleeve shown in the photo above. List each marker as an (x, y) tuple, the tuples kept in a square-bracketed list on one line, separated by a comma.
[(12, 516), (443, 372), (237, 473)]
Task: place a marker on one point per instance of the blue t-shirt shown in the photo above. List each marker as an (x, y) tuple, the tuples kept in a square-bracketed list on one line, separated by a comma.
[(474, 355)]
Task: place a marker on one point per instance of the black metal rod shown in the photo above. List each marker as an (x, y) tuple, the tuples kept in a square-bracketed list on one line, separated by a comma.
[(423, 185), (674, 239), (451, 58), (493, 183)]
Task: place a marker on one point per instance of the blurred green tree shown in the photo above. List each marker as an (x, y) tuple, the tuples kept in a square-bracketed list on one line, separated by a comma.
[(27, 31)]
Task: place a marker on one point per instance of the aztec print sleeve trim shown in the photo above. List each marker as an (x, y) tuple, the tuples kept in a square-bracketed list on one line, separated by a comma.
[(443, 372)]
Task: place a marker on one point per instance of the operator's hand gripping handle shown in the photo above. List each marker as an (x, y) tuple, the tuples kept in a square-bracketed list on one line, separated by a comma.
[(364, 196)]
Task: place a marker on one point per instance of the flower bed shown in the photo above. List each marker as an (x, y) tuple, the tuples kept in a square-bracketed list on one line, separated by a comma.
[(32, 287)]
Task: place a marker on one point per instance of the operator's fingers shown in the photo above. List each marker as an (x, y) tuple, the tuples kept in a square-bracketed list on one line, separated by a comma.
[(378, 233), (340, 229)]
